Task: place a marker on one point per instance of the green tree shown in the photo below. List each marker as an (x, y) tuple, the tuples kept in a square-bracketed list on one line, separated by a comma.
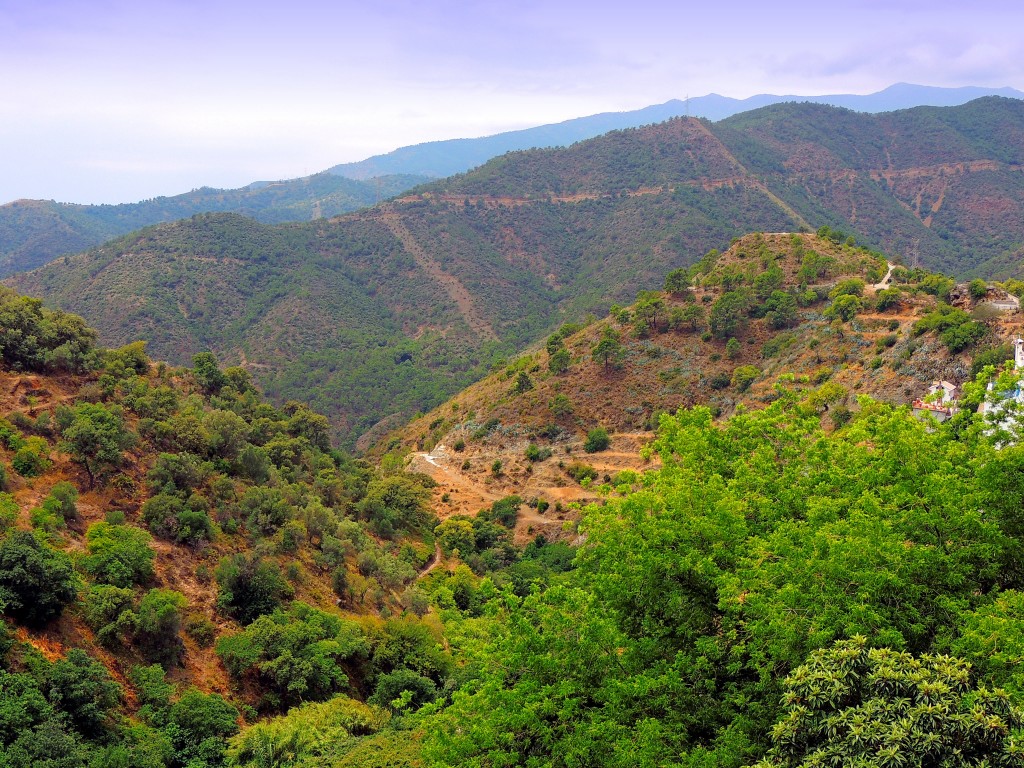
[(780, 310), (727, 314), (844, 308), (95, 437), (249, 587), (609, 350), (199, 725), (36, 582), (677, 282), (523, 383), (119, 555), (559, 360), (298, 654), (207, 373), (82, 688), (855, 705), (158, 626)]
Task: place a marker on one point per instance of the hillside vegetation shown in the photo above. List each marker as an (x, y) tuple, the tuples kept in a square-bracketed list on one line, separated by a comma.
[(177, 557), (193, 578), (374, 316), (35, 232), (798, 312)]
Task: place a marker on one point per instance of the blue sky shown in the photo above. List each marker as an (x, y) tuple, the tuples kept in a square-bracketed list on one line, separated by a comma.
[(111, 101)]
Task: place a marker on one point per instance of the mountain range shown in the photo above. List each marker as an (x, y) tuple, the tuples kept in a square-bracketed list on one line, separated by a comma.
[(33, 232), (444, 158), (380, 313)]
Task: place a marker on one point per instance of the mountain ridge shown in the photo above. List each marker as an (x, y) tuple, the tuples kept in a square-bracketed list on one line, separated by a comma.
[(377, 314), (33, 232)]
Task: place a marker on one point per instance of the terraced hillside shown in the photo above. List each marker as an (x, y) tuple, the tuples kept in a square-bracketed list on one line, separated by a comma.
[(671, 351)]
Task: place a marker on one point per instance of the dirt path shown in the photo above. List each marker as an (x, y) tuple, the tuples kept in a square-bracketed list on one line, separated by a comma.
[(882, 284), (456, 291), (435, 561)]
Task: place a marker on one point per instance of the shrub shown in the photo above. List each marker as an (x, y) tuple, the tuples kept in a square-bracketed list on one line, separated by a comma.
[(597, 440), (579, 472), (887, 298), (249, 587), (109, 611), (82, 688), (744, 376), (505, 511), (992, 356), (845, 307), (963, 336), (200, 726), (720, 381), (297, 654), (853, 286), (36, 582), (459, 445), (158, 625), (403, 689), (119, 555), (64, 497), (32, 459), (977, 288), (560, 406), (732, 349)]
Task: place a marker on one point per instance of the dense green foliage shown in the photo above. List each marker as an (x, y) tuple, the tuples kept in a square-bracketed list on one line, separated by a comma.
[(703, 585), (854, 705), (36, 581), (33, 338)]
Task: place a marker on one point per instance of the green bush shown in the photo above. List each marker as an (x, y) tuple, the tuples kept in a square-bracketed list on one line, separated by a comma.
[(297, 654), (32, 459), (977, 288), (845, 307), (63, 500), (963, 336), (579, 472), (732, 349), (598, 439), (249, 587), (744, 376), (887, 298), (119, 555), (158, 626), (36, 581), (200, 725), (82, 688)]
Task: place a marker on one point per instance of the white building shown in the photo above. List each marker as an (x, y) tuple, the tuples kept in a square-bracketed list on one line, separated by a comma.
[(998, 408), (940, 401)]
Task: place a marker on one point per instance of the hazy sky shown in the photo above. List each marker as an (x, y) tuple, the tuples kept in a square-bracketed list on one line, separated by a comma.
[(118, 100)]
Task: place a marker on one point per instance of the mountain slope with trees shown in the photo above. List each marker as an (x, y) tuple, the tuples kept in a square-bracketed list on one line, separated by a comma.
[(35, 232), (379, 314), (192, 578)]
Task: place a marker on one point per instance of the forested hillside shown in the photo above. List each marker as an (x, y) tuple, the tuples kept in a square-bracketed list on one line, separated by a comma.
[(797, 309), (178, 559), (376, 315), (193, 578), (34, 232)]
